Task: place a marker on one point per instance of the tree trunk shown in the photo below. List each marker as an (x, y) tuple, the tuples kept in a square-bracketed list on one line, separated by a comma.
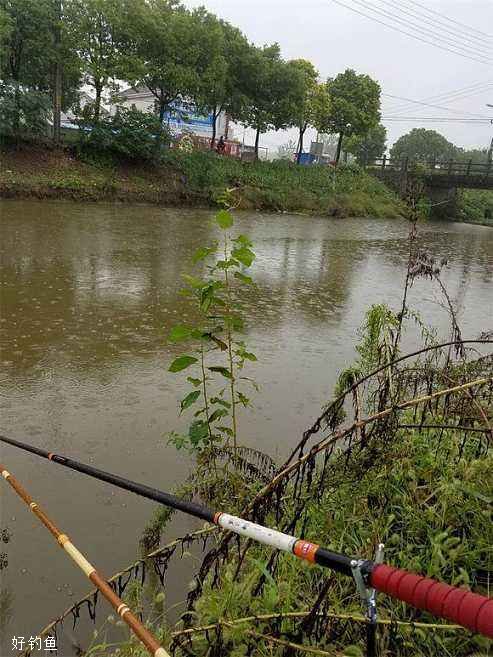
[(300, 145), (257, 137), (339, 147), (214, 121), (97, 102), (57, 78), (162, 110)]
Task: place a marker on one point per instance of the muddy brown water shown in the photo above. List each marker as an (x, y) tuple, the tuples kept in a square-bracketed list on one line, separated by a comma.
[(88, 294)]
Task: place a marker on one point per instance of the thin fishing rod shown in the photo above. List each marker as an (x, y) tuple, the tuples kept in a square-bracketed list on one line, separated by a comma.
[(149, 641), (472, 611)]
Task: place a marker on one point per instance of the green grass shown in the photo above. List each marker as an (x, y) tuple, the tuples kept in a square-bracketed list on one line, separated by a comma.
[(196, 179)]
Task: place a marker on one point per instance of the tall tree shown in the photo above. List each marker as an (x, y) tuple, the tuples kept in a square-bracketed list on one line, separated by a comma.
[(354, 105), (368, 147), (168, 46), (34, 59), (421, 145), (309, 100), (94, 27), (224, 48), (266, 84)]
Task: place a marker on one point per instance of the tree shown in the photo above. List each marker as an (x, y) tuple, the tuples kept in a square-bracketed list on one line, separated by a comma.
[(169, 52), (368, 147), (309, 100), (421, 145), (266, 85), (223, 50), (354, 106), (35, 58), (94, 28)]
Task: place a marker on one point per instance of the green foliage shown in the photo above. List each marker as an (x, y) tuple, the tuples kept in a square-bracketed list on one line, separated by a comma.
[(369, 147), (23, 111), (128, 134), (268, 85), (423, 145), (475, 206), (221, 355), (354, 105)]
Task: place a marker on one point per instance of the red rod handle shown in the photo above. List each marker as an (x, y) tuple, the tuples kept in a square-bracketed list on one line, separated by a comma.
[(473, 611)]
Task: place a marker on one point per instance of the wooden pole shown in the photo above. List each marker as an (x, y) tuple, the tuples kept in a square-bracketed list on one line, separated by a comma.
[(149, 641)]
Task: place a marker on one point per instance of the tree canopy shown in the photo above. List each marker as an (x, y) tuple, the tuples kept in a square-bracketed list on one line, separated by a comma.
[(423, 145), (369, 147), (354, 105)]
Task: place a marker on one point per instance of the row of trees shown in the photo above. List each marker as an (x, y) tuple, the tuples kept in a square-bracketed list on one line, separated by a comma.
[(421, 145), (49, 48)]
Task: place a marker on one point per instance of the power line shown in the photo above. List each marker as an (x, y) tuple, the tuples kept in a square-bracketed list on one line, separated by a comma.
[(451, 20), (413, 36), (448, 109), (451, 96), (437, 119), (477, 45), (424, 30)]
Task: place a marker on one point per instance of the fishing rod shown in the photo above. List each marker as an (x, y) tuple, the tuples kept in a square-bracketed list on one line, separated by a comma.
[(150, 642), (471, 610)]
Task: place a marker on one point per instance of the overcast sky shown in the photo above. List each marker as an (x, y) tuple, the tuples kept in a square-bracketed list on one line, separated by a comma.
[(335, 38)]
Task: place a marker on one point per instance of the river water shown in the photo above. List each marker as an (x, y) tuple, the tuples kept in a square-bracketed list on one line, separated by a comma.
[(88, 294)]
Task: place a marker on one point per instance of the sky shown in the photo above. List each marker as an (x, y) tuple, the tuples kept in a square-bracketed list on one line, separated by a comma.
[(334, 37)]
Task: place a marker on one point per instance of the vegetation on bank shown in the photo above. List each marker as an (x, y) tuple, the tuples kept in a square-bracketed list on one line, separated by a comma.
[(475, 206), (195, 179)]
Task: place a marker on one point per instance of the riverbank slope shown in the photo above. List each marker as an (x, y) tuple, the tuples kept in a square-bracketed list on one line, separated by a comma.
[(195, 179)]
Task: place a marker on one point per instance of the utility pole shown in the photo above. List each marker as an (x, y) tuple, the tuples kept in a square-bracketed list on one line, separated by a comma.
[(490, 152)]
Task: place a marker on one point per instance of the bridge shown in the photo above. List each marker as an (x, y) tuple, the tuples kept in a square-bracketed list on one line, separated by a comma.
[(440, 180)]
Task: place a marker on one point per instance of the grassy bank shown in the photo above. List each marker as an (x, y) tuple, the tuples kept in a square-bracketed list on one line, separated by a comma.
[(475, 206), (194, 179)]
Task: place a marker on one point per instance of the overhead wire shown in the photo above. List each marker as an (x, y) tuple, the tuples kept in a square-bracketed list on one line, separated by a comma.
[(448, 109), (451, 20), (477, 43), (450, 96), (424, 30), (410, 34)]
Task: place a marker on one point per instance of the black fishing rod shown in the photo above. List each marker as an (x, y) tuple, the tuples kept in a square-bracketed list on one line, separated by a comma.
[(472, 611)]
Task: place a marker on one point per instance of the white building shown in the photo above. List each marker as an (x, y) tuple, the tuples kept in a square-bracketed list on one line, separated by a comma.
[(183, 119)]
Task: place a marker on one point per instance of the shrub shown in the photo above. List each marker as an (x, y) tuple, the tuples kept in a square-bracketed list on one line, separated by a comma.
[(128, 134), (23, 111)]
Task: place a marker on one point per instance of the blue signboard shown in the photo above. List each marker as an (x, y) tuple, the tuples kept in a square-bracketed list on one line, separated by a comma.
[(184, 116)]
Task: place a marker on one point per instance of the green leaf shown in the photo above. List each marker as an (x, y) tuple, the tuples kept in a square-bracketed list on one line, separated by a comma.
[(193, 281), (244, 255), (243, 240), (222, 370), (181, 363), (218, 413), (197, 432), (203, 252), (353, 651), (194, 382), (179, 333), (222, 402), (190, 399), (243, 278), (243, 399), (224, 219)]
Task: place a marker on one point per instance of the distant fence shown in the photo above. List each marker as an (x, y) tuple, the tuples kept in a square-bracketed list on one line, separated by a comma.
[(435, 168)]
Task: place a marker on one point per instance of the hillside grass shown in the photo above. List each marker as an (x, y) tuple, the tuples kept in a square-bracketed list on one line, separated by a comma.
[(195, 179)]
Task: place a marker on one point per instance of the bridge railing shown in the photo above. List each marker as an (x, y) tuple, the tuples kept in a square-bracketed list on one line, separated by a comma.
[(434, 168)]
